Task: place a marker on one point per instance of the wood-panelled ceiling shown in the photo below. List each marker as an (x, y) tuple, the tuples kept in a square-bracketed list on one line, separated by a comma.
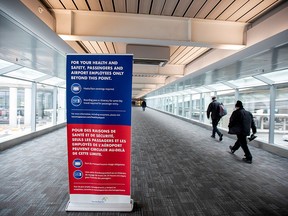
[(243, 11)]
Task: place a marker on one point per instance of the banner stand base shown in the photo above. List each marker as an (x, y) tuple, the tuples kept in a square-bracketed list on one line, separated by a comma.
[(120, 207)]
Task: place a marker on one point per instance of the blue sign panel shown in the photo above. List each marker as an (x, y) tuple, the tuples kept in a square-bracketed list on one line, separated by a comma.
[(99, 89)]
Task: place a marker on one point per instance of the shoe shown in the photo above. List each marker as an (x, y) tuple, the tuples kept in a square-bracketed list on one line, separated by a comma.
[(247, 160), (212, 136), (252, 137), (221, 137), (232, 151)]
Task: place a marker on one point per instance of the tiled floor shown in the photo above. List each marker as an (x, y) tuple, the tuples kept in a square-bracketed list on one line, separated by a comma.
[(177, 169)]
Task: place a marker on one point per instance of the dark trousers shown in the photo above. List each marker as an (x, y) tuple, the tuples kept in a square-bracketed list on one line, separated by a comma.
[(215, 129), (242, 141)]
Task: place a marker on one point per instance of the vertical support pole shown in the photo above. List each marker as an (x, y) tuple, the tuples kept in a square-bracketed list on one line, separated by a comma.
[(13, 107), (190, 107), (201, 110), (207, 100), (272, 113), (54, 112), (172, 104), (183, 106), (236, 94), (33, 106), (27, 107), (177, 106)]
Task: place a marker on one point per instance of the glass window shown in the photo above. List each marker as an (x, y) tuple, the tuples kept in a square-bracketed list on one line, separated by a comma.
[(54, 81), (257, 64), (180, 86), (44, 106), (13, 109), (195, 107), (4, 108), (20, 105), (257, 101), (170, 104), (26, 74), (187, 84), (16, 101), (180, 105), (186, 106), (219, 87), (281, 116), (202, 89), (282, 57), (246, 82), (228, 99), (277, 76), (61, 105)]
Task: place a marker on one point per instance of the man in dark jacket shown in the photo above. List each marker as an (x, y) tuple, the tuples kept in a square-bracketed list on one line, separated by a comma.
[(241, 122), (143, 105), (214, 109)]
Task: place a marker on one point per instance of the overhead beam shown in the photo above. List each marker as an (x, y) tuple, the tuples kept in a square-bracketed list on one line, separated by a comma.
[(41, 12), (259, 38), (148, 29), (143, 85), (150, 80), (167, 70)]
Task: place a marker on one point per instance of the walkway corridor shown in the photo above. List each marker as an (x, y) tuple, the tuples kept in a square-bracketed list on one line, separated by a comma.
[(177, 170)]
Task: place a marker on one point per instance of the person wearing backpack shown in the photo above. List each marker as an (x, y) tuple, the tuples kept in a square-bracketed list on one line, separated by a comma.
[(240, 123), (213, 111)]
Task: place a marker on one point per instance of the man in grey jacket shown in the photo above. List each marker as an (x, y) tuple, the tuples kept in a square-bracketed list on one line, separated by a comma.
[(240, 123), (214, 110)]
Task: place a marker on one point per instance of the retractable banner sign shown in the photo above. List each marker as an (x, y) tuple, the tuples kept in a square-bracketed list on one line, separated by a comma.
[(99, 91)]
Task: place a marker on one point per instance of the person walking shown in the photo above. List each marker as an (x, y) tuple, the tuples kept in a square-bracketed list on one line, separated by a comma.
[(143, 105), (240, 123), (213, 110)]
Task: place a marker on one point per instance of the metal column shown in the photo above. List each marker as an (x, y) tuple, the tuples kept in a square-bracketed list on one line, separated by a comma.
[(272, 113)]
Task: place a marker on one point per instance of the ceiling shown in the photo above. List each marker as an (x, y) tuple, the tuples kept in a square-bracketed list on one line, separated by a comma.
[(175, 24)]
